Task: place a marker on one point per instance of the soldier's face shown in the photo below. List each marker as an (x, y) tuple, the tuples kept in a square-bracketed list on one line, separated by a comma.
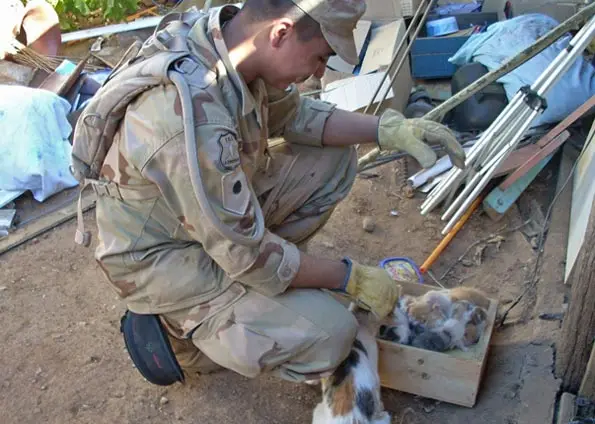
[(294, 61)]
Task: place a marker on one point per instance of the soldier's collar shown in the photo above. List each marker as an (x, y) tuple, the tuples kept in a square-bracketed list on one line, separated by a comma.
[(225, 14)]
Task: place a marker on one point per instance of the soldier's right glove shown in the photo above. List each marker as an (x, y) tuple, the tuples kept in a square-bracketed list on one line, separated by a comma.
[(415, 136), (372, 287)]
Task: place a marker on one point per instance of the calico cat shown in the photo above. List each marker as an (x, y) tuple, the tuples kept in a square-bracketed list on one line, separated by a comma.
[(351, 395)]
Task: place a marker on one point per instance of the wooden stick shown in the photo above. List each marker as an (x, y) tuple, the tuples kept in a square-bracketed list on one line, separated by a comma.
[(448, 237), (150, 10)]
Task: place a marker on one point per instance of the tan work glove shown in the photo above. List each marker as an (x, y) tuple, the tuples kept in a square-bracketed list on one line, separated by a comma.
[(372, 287), (414, 136)]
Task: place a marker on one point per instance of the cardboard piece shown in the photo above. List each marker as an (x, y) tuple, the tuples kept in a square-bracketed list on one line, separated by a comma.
[(382, 10), (354, 94), (384, 40), (360, 33)]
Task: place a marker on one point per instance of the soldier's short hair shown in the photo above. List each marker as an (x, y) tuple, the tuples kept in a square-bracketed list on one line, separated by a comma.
[(263, 10)]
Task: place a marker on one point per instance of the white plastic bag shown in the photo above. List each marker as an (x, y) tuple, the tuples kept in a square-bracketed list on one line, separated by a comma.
[(34, 147)]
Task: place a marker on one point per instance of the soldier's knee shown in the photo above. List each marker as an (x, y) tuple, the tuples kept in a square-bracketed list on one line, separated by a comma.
[(340, 340)]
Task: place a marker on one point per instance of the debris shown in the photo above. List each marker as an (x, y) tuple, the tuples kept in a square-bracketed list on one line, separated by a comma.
[(38, 372), (81, 323), (492, 237), (534, 278), (7, 218), (467, 263), (446, 240), (163, 401), (552, 316), (45, 223), (2, 288), (478, 255), (328, 245), (496, 143), (394, 213), (522, 57), (15, 74), (44, 387), (368, 224), (368, 175)]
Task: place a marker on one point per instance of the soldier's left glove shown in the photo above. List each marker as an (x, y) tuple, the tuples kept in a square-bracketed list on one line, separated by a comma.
[(371, 287), (415, 136)]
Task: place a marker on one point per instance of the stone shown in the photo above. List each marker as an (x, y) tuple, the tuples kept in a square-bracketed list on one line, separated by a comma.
[(163, 401), (368, 224)]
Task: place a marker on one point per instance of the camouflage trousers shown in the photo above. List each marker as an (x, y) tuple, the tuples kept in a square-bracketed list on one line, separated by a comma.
[(302, 334)]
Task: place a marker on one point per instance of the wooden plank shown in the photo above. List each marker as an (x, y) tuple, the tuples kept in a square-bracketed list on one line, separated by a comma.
[(550, 296), (578, 328), (45, 223), (452, 377), (525, 168), (516, 159), (583, 193), (567, 408), (587, 388)]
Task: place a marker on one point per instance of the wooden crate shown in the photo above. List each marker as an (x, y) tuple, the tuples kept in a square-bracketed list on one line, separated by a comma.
[(452, 377)]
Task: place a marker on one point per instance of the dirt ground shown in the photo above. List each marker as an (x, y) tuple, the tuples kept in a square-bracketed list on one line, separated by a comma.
[(62, 359)]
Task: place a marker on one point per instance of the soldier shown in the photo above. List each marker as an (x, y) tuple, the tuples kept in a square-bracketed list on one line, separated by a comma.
[(212, 246)]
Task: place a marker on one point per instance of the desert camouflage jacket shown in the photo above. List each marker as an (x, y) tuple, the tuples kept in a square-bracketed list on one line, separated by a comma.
[(161, 253)]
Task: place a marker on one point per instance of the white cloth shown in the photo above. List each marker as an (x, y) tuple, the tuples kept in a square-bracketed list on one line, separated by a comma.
[(34, 148)]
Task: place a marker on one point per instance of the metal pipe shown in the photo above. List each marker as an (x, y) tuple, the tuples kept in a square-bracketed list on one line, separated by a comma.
[(396, 53), (405, 54)]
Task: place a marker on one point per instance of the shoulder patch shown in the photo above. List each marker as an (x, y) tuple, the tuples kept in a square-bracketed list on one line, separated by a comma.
[(229, 154)]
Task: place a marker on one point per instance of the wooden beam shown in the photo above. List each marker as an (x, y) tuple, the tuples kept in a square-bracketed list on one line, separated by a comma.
[(45, 223), (578, 328)]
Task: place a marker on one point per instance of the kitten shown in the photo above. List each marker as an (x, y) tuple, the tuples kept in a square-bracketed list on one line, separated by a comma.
[(352, 393), (432, 308), (397, 327), (462, 329)]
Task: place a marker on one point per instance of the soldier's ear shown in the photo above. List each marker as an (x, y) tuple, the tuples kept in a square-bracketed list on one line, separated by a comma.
[(280, 32)]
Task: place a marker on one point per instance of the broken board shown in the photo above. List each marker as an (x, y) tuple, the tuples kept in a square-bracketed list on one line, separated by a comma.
[(452, 377), (45, 223)]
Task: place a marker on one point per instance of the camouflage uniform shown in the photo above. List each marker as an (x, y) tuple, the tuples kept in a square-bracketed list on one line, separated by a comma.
[(163, 256)]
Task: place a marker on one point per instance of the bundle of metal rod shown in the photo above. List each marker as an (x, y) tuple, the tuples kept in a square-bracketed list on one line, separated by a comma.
[(503, 136)]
